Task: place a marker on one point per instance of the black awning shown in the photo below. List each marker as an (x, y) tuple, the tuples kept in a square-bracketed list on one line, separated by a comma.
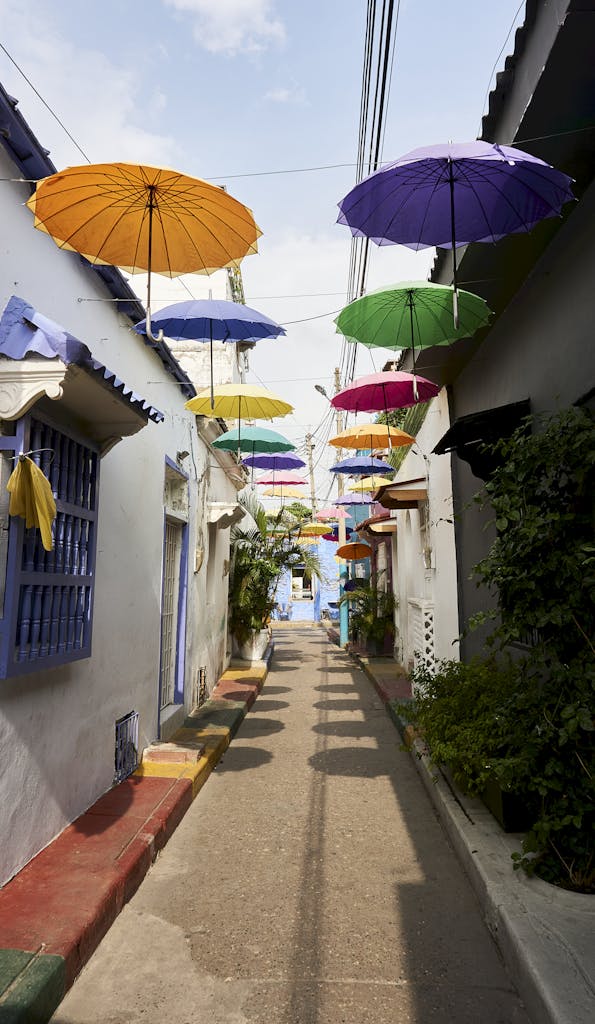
[(471, 437)]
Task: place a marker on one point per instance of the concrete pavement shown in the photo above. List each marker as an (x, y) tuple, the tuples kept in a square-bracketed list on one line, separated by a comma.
[(309, 883)]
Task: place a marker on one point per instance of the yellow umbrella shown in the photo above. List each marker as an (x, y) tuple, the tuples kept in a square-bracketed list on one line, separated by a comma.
[(239, 401), (371, 435), (369, 483), (31, 497), (313, 529), (144, 218), (282, 492), (354, 552)]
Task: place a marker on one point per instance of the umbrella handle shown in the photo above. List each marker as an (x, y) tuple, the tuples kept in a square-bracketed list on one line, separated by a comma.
[(152, 337)]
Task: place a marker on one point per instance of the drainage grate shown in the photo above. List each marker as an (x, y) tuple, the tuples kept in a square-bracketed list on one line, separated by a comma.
[(126, 752)]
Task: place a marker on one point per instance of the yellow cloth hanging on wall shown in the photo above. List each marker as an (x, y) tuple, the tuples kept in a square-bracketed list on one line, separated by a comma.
[(31, 497)]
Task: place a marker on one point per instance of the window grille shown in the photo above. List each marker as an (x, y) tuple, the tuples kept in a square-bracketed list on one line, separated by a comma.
[(421, 633), (48, 595), (126, 752)]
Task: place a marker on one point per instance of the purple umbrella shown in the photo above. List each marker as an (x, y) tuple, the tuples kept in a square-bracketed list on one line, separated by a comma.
[(450, 195), (274, 461), (354, 499), (362, 465)]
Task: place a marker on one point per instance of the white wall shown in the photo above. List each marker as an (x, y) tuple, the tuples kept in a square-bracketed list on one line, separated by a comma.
[(57, 727), (428, 576)]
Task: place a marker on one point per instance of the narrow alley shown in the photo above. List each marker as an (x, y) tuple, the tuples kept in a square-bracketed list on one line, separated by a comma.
[(309, 883)]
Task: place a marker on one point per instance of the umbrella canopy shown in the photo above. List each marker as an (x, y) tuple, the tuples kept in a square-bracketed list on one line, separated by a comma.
[(144, 218), (371, 435), (364, 465), (354, 552), (381, 392), (283, 492), (212, 320), (326, 514), (239, 401), (354, 499), (368, 483), (253, 440), (281, 479), (209, 320), (266, 460), (312, 529), (31, 497), (331, 537), (412, 315), (450, 195)]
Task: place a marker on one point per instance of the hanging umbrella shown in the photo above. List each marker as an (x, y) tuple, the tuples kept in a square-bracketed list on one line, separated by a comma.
[(283, 492), (253, 440), (411, 315), (209, 320), (312, 529), (354, 499), (144, 218), (369, 483), (274, 461), (281, 479), (331, 513), (239, 401), (354, 552), (331, 537), (371, 435), (381, 392), (451, 195), (365, 465), (31, 497)]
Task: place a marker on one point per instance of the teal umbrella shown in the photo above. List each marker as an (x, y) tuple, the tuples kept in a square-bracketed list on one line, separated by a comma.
[(253, 440), (414, 314)]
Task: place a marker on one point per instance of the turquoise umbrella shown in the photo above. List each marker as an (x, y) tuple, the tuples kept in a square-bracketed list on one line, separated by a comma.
[(253, 440), (414, 314)]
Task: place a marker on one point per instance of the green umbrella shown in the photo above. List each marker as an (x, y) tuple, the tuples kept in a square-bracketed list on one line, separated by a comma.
[(253, 440), (414, 314)]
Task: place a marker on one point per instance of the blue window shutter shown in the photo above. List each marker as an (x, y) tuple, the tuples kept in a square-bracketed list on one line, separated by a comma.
[(48, 605)]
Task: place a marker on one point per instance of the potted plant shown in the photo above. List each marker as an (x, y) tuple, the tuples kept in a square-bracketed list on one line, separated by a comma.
[(260, 552), (372, 616)]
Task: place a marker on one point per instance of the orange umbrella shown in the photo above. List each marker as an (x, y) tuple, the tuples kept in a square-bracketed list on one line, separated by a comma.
[(144, 218), (371, 435), (354, 552)]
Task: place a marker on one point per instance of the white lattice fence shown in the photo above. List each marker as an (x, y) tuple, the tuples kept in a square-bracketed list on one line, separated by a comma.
[(421, 633)]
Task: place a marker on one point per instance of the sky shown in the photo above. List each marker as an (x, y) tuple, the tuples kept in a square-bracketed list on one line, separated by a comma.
[(262, 96)]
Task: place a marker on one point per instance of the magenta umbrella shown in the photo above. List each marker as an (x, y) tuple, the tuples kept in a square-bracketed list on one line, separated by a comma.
[(382, 392)]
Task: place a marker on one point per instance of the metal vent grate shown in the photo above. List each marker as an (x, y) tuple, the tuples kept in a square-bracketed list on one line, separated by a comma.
[(126, 751), (200, 692)]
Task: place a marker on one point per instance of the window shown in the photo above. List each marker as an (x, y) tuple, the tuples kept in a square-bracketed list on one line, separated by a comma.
[(46, 599), (301, 584)]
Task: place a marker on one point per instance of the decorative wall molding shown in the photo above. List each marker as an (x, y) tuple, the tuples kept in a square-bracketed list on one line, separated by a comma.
[(23, 382)]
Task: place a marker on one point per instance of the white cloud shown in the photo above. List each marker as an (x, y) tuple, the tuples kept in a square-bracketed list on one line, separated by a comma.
[(102, 105), (233, 26), (295, 94)]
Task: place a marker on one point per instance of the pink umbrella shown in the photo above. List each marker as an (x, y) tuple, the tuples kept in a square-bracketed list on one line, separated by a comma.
[(281, 479), (332, 513), (330, 536), (381, 392)]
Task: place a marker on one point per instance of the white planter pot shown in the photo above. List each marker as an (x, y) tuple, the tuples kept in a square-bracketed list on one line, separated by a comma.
[(253, 649)]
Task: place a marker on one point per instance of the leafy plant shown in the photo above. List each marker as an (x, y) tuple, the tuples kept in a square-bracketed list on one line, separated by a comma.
[(372, 612), (260, 553), (527, 721)]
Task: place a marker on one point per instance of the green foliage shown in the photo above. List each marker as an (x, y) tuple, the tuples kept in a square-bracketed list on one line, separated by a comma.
[(528, 722), (410, 420), (260, 553), (298, 511), (372, 613)]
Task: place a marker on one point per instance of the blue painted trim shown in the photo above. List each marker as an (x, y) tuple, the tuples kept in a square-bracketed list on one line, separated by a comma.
[(181, 625), (176, 467)]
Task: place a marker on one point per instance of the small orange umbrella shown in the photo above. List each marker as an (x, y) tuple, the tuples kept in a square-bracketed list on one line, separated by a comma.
[(371, 435), (354, 552)]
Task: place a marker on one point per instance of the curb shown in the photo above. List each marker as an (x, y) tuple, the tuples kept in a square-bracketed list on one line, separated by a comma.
[(544, 934), (48, 931)]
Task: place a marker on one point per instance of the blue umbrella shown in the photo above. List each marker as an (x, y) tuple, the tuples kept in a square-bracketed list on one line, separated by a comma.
[(451, 195), (364, 465), (211, 320)]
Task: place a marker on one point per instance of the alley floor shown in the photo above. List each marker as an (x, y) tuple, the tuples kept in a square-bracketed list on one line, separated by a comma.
[(309, 883)]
